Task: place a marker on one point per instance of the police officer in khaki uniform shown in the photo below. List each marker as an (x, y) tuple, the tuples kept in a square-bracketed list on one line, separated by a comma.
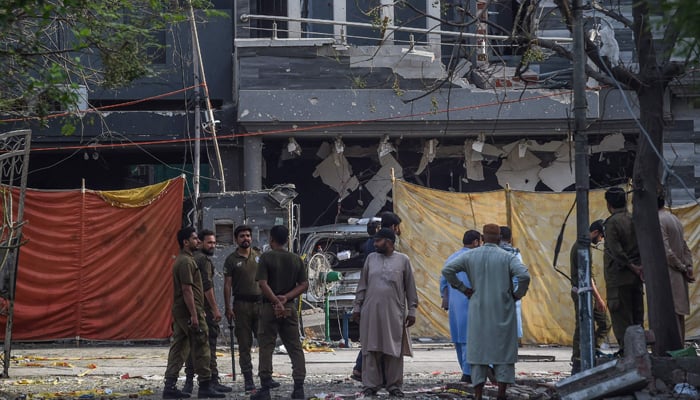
[(189, 322), (600, 313), (282, 278), (240, 269), (202, 256), (623, 270)]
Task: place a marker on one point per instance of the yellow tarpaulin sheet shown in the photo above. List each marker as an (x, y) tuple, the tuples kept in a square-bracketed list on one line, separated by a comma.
[(138, 197), (434, 222)]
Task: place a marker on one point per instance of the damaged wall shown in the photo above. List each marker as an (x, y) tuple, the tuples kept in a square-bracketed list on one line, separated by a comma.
[(360, 174)]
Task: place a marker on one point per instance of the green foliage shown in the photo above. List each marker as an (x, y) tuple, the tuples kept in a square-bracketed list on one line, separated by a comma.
[(396, 86), (533, 54), (684, 15), (49, 47)]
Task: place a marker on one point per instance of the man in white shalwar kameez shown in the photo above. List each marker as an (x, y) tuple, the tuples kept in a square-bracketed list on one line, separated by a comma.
[(492, 325), (680, 263), (385, 305)]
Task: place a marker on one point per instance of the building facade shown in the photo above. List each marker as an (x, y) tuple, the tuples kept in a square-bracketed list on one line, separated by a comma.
[(336, 96)]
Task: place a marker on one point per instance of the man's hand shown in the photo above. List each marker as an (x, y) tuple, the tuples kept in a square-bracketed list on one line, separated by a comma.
[(355, 316), (194, 323), (445, 304), (410, 320), (600, 306), (217, 315), (282, 299), (230, 315), (468, 292), (279, 310), (637, 269), (688, 275)]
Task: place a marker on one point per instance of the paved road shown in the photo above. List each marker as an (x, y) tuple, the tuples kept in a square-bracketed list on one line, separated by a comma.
[(66, 371), (151, 360)]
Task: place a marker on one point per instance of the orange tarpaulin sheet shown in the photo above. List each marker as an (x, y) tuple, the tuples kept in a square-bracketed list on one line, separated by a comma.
[(92, 270)]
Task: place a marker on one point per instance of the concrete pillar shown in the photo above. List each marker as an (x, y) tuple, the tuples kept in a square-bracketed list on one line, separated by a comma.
[(294, 11), (252, 163), (339, 14), (433, 10), (387, 14)]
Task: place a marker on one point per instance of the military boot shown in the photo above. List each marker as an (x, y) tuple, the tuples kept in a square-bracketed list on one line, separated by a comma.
[(261, 394), (273, 384), (189, 384), (206, 390), (269, 383), (216, 384), (298, 392), (248, 381), (170, 391)]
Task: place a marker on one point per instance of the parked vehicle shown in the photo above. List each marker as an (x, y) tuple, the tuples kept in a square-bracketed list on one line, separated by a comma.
[(339, 248)]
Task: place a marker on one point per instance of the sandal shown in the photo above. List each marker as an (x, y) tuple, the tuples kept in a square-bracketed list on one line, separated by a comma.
[(396, 393), (369, 392)]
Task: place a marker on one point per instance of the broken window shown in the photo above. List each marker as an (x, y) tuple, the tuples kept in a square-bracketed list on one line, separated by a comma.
[(223, 229)]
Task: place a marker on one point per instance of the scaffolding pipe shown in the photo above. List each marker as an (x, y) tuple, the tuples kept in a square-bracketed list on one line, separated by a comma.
[(248, 17), (211, 122)]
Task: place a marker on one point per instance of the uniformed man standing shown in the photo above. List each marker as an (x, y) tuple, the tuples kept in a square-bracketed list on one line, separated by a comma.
[(282, 278), (240, 270), (600, 313), (623, 269), (189, 322), (207, 245)]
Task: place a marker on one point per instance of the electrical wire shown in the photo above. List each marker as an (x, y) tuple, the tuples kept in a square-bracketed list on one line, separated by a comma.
[(313, 128), (101, 108)]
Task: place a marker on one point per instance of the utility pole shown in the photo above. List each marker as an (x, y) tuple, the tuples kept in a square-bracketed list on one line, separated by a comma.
[(585, 313), (197, 130)]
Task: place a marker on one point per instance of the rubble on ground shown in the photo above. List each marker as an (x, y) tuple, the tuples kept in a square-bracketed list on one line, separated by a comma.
[(637, 375)]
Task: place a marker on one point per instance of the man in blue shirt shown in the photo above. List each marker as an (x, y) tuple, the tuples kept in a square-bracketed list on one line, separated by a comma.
[(457, 305)]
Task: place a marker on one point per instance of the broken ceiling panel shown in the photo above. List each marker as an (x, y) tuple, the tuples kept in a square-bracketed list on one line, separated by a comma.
[(547, 146), (338, 177), (324, 150), (518, 179), (380, 185), (472, 162), (374, 207), (385, 147), (614, 142), (521, 159), (565, 152), (292, 150), (487, 149), (559, 175), (339, 149), (429, 152)]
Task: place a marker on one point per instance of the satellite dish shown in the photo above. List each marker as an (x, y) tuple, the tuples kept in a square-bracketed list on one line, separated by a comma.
[(321, 276)]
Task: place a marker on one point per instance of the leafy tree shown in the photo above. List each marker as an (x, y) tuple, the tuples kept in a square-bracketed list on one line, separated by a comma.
[(661, 33), (649, 80), (49, 47), (684, 16)]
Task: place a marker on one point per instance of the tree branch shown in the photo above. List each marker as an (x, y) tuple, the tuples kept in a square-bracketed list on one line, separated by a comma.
[(612, 14)]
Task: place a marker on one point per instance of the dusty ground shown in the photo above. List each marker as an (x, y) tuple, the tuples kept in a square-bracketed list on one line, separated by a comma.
[(96, 372)]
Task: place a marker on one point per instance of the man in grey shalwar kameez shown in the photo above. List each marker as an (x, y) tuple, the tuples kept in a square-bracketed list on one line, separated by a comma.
[(385, 305), (492, 325)]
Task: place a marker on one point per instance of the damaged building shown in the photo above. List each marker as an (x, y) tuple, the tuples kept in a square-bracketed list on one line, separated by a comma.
[(334, 96)]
